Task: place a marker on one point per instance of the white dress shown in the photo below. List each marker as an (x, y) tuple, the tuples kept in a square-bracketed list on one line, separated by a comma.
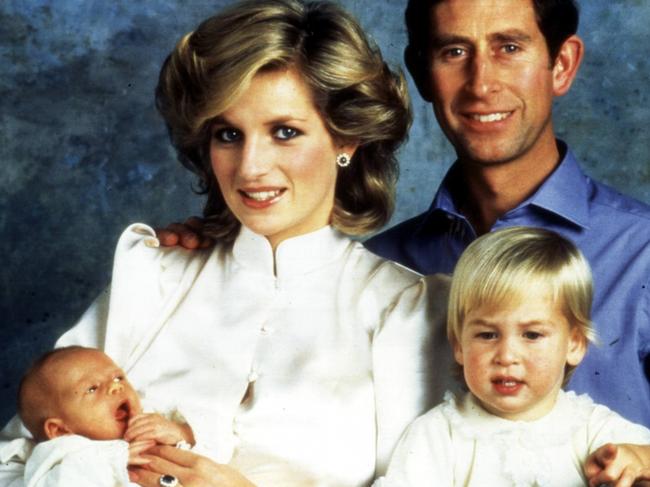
[(458, 443), (318, 358)]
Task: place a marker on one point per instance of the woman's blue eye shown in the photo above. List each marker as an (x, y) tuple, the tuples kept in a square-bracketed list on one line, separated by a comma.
[(286, 133), (227, 135)]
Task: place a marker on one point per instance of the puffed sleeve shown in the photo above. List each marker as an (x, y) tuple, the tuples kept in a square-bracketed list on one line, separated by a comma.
[(135, 256), (411, 361), (424, 456), (607, 426)]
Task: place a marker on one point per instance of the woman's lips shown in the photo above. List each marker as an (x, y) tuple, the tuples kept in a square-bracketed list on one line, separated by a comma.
[(260, 198)]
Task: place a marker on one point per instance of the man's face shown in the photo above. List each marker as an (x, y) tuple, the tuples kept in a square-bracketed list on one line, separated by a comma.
[(491, 80)]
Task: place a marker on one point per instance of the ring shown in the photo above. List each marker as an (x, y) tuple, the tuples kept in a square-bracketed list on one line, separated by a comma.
[(168, 481)]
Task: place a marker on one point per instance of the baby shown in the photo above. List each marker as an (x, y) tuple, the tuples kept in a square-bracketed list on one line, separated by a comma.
[(519, 323), (72, 396)]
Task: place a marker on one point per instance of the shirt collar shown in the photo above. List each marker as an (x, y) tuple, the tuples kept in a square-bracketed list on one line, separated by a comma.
[(564, 193), (297, 255)]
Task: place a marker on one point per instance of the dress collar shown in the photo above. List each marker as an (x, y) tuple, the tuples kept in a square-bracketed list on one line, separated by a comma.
[(565, 192), (294, 256)]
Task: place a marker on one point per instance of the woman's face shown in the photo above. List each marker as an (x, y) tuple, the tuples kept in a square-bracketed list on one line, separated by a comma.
[(273, 158)]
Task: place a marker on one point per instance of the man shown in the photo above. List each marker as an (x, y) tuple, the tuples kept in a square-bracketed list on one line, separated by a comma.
[(491, 69)]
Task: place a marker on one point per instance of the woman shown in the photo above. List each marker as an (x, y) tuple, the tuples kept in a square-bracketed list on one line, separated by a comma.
[(309, 354)]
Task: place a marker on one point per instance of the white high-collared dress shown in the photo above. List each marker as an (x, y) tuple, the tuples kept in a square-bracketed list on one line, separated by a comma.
[(314, 359)]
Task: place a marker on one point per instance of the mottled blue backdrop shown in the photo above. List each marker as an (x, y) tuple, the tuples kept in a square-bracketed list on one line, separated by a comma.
[(83, 153)]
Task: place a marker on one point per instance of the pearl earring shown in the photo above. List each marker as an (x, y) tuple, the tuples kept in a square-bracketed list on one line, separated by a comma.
[(343, 159)]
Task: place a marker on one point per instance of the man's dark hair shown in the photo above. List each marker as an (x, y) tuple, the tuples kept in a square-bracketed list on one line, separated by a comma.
[(556, 19)]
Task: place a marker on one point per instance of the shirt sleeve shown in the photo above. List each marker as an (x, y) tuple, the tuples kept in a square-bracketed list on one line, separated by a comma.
[(410, 355), (424, 456)]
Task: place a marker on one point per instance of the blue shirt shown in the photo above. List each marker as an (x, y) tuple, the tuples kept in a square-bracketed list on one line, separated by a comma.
[(613, 232)]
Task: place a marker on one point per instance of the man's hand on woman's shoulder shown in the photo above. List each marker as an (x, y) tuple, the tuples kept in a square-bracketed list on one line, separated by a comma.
[(188, 234)]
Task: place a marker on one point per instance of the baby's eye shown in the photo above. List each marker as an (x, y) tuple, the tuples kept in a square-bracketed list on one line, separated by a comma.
[(285, 133), (92, 389), (227, 135)]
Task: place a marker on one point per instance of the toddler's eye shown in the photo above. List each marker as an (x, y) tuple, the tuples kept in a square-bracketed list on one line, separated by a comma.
[(119, 378), (92, 390), (532, 335), (486, 335)]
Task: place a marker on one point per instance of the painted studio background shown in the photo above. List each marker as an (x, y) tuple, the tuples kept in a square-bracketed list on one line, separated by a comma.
[(83, 152)]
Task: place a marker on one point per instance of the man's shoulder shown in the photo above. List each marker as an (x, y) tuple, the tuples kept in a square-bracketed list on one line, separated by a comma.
[(396, 235), (606, 199)]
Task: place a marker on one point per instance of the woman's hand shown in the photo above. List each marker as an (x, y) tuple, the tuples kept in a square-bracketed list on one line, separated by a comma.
[(190, 469), (136, 449)]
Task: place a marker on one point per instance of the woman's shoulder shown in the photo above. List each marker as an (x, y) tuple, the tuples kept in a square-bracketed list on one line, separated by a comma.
[(139, 248), (399, 275)]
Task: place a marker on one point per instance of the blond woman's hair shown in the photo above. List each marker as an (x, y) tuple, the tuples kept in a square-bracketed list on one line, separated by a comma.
[(361, 100), (497, 269)]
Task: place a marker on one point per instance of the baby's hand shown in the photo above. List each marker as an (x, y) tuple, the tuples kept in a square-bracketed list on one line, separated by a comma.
[(618, 466), (155, 427), (138, 447)]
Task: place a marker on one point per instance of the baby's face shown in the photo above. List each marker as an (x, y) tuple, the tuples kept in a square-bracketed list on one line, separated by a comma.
[(94, 398), (513, 357)]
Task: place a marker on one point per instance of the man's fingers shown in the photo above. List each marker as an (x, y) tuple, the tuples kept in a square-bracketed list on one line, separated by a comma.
[(195, 223), (187, 235)]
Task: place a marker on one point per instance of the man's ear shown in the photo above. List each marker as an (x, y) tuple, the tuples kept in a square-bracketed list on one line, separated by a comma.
[(567, 62), (55, 427), (418, 66)]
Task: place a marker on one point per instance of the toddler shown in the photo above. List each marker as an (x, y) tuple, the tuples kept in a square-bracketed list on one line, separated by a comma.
[(73, 396), (518, 324)]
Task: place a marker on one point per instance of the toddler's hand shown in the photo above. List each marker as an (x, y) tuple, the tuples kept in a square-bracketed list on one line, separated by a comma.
[(138, 447), (153, 426), (618, 465)]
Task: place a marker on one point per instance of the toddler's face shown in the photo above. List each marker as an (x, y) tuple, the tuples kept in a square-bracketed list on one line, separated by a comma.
[(513, 357), (94, 398)]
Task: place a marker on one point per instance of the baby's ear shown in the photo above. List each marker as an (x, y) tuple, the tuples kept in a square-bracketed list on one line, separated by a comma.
[(55, 427)]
